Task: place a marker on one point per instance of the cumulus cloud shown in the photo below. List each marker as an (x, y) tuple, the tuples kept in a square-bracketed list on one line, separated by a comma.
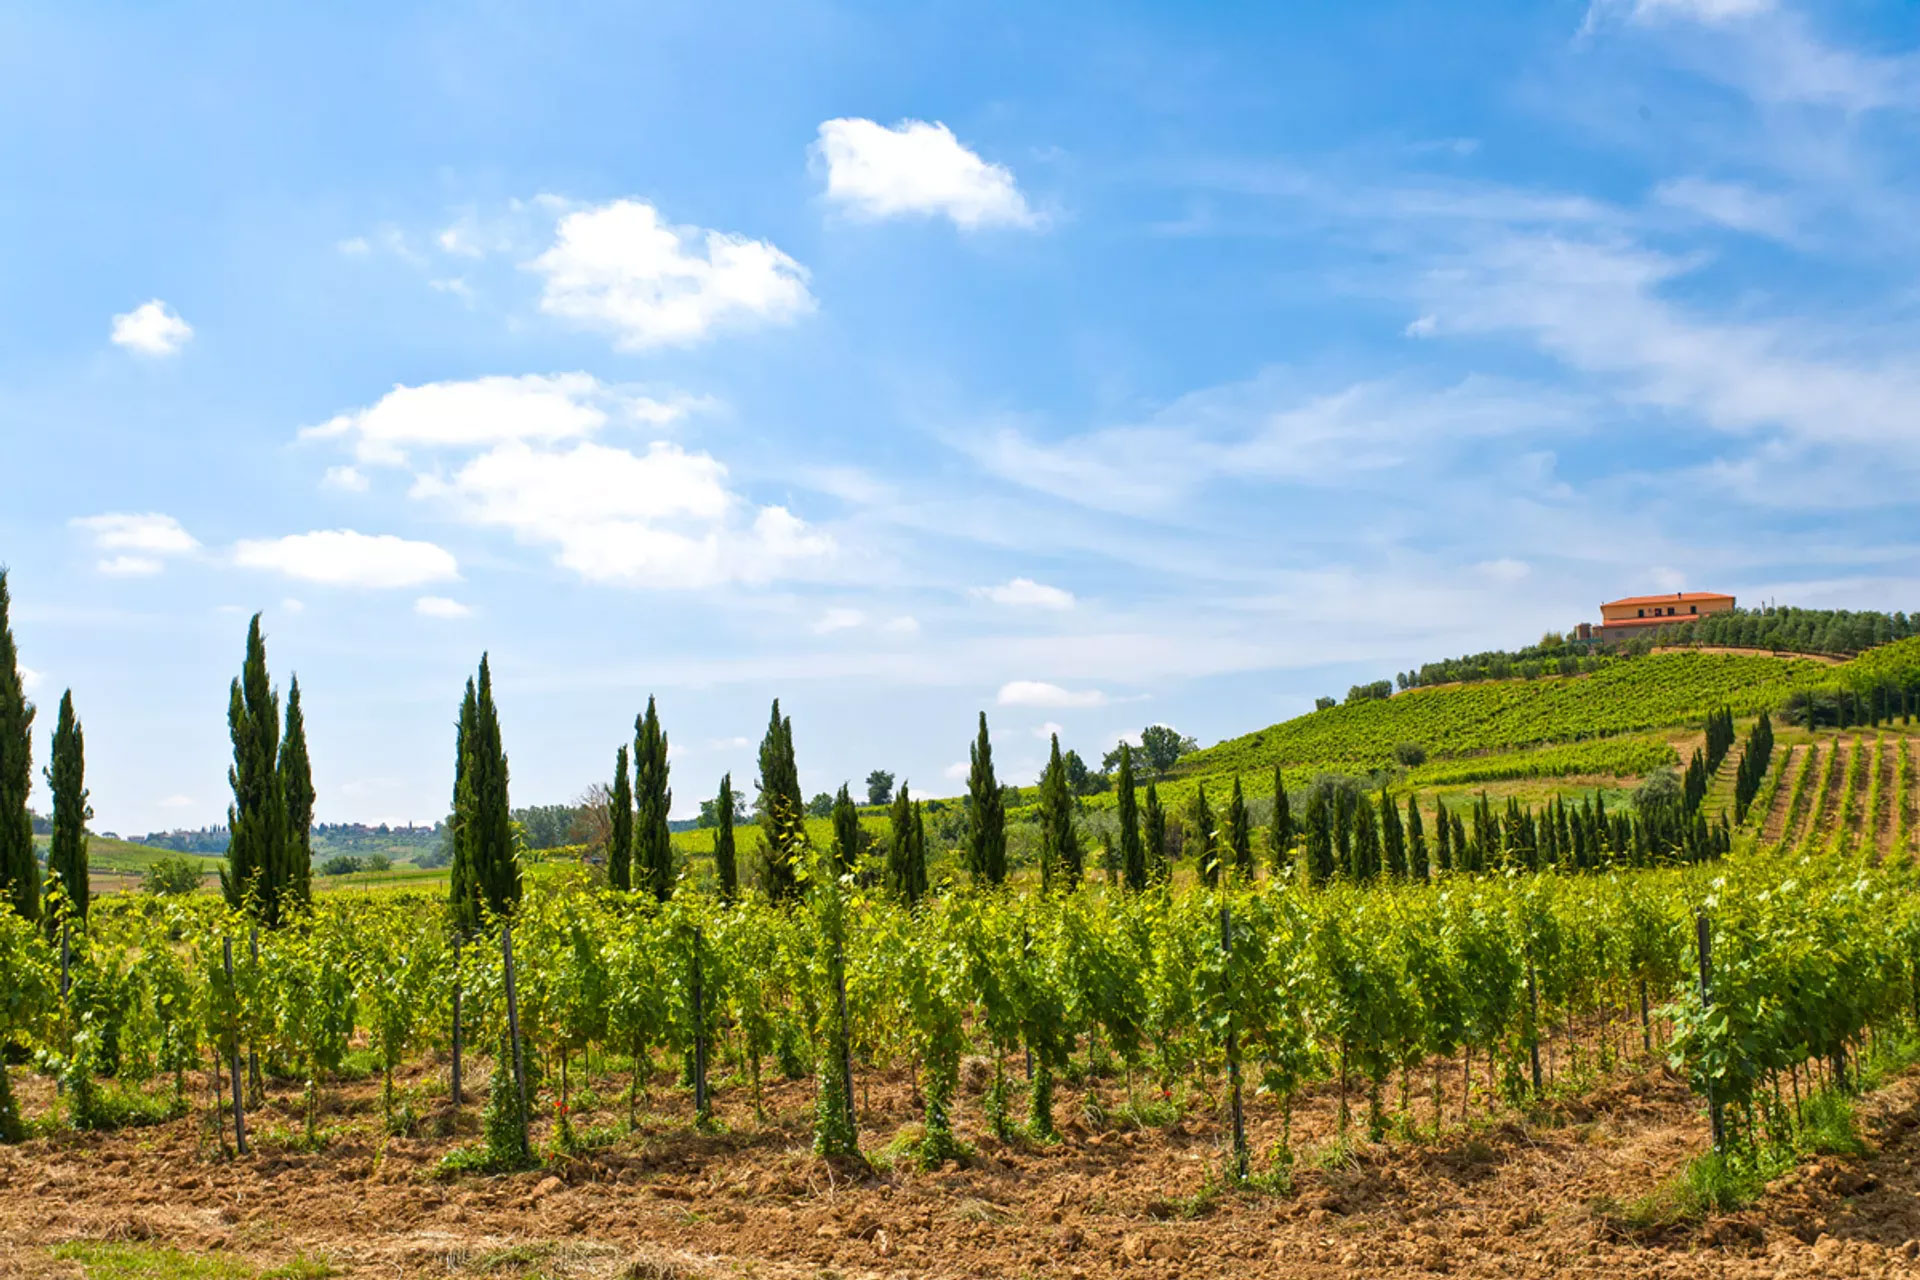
[(622, 268), (30, 679), (1038, 693), (345, 479), (916, 169), (484, 411), (344, 558), (142, 541), (440, 607), (664, 518), (1025, 593), (152, 328)]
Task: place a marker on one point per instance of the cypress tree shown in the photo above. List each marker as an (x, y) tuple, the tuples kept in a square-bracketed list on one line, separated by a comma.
[(1319, 837), (725, 867), (906, 848), (1393, 840), (1467, 859), (296, 793), (1239, 832), (1343, 806), (1443, 837), (1202, 836), (653, 838), (1280, 834), (66, 778), (986, 814), (846, 832), (19, 867), (483, 813), (1365, 863), (463, 889), (1060, 857), (917, 864), (620, 824), (1153, 824), (781, 808), (1133, 855), (1416, 840), (256, 820)]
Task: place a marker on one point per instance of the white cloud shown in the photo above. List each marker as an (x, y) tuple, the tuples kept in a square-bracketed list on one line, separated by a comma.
[(839, 619), (1708, 11), (345, 479), (1505, 569), (30, 679), (1598, 308), (1422, 327), (490, 410), (291, 605), (344, 558), (177, 802), (441, 607), (1731, 205), (1025, 593), (904, 625), (152, 328), (662, 519), (130, 566), (1038, 693), (354, 247), (1048, 730), (144, 541), (957, 771), (917, 168), (620, 267)]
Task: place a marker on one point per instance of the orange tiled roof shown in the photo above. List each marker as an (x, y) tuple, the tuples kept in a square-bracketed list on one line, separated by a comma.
[(1678, 597)]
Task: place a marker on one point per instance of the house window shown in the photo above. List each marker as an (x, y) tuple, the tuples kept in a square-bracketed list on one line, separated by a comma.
[(1693, 608), (1639, 613)]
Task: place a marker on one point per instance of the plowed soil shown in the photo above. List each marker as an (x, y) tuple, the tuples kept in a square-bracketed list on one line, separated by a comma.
[(1503, 1195)]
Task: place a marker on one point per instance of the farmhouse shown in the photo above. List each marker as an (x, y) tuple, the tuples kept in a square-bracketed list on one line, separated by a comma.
[(1620, 619)]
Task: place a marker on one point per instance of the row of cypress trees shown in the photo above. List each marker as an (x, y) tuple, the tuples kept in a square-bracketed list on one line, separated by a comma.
[(66, 779), (1754, 762)]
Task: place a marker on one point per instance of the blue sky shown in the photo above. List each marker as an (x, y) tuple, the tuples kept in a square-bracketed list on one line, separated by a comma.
[(1091, 365)]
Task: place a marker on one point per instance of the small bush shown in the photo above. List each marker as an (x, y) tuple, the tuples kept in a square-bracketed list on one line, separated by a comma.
[(169, 876), (1410, 754), (342, 864)]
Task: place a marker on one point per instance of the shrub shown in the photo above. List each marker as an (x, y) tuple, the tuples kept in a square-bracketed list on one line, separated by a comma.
[(1410, 754), (170, 876), (342, 864)]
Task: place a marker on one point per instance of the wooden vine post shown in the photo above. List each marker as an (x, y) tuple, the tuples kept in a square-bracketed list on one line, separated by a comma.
[(1703, 939), (513, 1032), (1240, 1161), (239, 1106)]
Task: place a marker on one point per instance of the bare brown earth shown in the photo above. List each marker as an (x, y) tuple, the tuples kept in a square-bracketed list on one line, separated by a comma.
[(1505, 1195), (1775, 827)]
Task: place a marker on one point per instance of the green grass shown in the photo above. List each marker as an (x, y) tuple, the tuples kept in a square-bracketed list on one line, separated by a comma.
[(102, 1261), (124, 858)]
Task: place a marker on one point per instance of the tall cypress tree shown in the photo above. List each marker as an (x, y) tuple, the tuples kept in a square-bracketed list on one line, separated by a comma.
[(1133, 855), (726, 868), (1202, 837), (256, 820), (620, 823), (917, 863), (463, 889), (297, 794), (1393, 839), (1239, 832), (19, 868), (847, 839), (1442, 836), (653, 838), (781, 808), (1060, 857), (986, 814), (900, 847), (499, 854), (1280, 834), (486, 870), (1153, 831), (1416, 840), (1319, 837), (67, 779)]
